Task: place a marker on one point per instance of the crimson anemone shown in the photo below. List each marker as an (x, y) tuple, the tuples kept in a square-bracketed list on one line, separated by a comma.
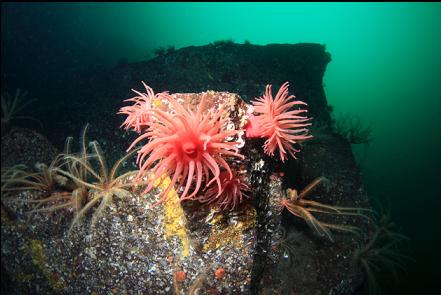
[(138, 114), (233, 192), (188, 146), (282, 127)]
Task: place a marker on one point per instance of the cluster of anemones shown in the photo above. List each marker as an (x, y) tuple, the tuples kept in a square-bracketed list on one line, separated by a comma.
[(191, 147), (282, 127)]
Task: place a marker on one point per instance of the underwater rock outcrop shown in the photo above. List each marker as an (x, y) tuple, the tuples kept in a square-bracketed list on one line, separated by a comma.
[(192, 249), (189, 248), (222, 66)]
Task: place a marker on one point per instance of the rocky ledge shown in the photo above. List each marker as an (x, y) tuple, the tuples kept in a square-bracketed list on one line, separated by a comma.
[(188, 247)]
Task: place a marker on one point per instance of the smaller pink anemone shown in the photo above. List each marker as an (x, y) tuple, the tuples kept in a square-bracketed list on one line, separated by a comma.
[(188, 146), (282, 126), (234, 190), (138, 114)]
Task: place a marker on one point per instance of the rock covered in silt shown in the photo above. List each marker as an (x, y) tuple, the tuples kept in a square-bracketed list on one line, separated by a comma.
[(135, 247), (308, 263), (27, 147)]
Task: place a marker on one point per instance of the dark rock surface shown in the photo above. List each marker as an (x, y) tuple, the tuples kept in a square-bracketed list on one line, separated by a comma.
[(130, 250), (25, 146), (96, 95)]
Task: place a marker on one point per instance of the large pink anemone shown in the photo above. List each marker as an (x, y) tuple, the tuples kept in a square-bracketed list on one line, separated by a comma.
[(282, 126), (188, 146)]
